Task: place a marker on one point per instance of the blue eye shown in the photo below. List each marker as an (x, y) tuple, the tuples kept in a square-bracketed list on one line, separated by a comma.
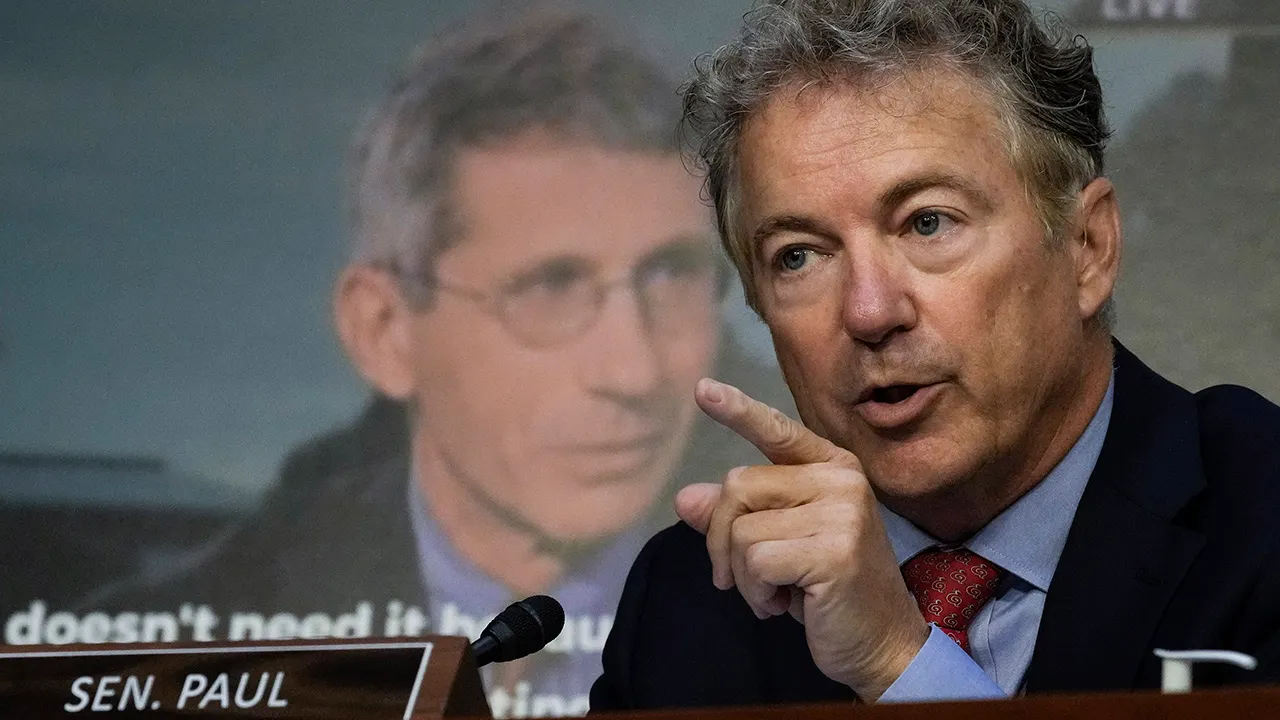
[(793, 258), (926, 223)]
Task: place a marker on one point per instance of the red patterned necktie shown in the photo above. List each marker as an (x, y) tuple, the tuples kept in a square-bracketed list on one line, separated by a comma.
[(951, 585)]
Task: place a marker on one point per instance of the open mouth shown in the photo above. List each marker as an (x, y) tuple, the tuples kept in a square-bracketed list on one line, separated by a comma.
[(895, 406), (893, 394)]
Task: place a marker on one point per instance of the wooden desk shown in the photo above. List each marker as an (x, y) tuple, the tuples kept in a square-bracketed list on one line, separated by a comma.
[(1262, 702)]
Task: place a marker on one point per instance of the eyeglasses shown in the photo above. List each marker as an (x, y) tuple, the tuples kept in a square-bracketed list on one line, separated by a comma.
[(678, 288)]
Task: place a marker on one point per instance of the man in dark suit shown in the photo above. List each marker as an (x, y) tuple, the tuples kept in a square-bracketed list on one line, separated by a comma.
[(988, 495)]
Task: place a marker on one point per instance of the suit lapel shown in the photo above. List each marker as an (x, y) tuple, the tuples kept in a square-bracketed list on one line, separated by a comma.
[(1124, 554), (390, 565), (357, 544)]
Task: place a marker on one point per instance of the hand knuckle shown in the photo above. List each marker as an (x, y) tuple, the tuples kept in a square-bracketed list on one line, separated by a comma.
[(780, 425), (845, 547), (864, 490), (735, 480), (855, 482), (842, 477), (850, 461), (832, 473), (753, 559)]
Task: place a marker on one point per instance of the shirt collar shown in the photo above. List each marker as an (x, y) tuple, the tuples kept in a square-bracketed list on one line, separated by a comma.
[(1027, 538)]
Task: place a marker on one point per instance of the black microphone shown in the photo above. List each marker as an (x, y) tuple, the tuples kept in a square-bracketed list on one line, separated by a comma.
[(524, 627)]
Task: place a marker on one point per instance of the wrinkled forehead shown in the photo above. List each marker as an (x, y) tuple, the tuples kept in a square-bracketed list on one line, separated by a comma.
[(875, 132), (871, 109)]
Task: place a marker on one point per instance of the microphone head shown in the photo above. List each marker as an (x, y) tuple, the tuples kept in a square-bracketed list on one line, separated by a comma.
[(547, 612), (524, 627)]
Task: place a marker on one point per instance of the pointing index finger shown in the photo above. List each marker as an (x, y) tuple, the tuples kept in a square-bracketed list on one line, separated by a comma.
[(783, 440)]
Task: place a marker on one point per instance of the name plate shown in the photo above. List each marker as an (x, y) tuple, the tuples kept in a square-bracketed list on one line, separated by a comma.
[(429, 678)]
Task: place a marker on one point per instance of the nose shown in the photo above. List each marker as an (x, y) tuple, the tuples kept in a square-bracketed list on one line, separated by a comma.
[(624, 362), (877, 303)]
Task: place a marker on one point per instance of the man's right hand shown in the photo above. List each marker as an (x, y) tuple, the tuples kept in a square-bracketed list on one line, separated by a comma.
[(804, 536)]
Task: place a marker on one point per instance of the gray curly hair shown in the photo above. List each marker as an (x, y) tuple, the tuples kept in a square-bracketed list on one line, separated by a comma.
[(1042, 84)]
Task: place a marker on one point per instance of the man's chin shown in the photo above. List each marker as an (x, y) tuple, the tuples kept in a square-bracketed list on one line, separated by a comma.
[(570, 539), (913, 474), (593, 515), (930, 496)]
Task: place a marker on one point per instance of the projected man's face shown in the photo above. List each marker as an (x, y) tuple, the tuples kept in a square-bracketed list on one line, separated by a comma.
[(554, 367)]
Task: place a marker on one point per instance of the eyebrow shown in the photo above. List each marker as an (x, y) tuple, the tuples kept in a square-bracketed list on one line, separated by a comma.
[(784, 223), (572, 262), (547, 267), (905, 189)]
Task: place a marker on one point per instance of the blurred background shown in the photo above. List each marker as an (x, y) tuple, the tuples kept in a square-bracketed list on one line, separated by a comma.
[(171, 222)]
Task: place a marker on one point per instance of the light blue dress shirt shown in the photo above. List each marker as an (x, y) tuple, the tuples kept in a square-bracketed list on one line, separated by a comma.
[(1025, 540), (589, 591)]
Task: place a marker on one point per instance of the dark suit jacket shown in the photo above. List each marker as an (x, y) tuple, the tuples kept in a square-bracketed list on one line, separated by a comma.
[(1174, 545), (333, 532)]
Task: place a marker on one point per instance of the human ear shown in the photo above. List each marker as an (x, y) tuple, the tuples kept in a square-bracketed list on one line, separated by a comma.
[(375, 325), (1096, 245)]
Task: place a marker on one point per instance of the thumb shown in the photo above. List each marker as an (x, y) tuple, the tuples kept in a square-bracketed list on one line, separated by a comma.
[(695, 503)]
